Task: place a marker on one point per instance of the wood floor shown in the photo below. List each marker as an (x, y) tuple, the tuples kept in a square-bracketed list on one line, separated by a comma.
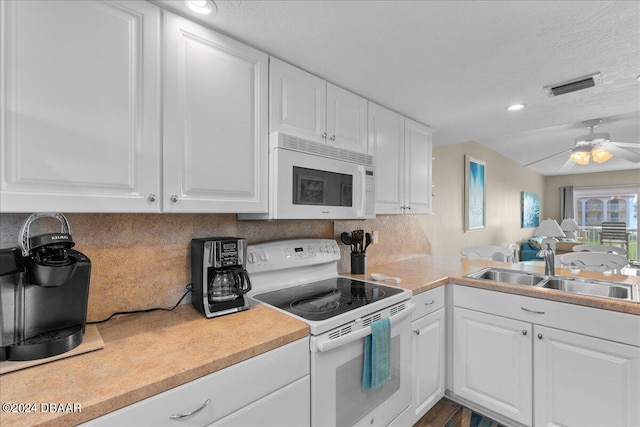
[(443, 412)]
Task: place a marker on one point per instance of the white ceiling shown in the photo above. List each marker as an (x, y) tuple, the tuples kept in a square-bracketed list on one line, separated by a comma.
[(456, 65)]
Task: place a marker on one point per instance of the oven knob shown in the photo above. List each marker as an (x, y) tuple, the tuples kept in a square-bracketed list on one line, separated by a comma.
[(329, 249), (323, 249), (264, 256), (251, 257)]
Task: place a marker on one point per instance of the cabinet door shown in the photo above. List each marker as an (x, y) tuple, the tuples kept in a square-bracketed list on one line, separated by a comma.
[(288, 407), (417, 168), (428, 362), (80, 107), (298, 102), (346, 120), (215, 122), (492, 363), (585, 381), (386, 138)]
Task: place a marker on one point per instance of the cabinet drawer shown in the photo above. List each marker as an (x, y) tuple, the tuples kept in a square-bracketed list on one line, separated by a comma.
[(228, 390), (605, 324), (428, 302)]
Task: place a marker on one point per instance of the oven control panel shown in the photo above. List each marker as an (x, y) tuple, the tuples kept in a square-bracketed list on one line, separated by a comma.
[(291, 253)]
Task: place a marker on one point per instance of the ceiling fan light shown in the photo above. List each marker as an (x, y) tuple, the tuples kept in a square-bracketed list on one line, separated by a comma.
[(580, 157), (600, 155)]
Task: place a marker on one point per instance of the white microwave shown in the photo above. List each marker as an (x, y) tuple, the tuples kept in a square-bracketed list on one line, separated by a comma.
[(310, 180)]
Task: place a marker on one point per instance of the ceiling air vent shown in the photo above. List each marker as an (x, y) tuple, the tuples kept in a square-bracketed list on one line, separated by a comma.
[(574, 85)]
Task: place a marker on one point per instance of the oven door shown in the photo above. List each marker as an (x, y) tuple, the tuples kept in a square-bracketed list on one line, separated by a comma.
[(337, 398), (308, 186)]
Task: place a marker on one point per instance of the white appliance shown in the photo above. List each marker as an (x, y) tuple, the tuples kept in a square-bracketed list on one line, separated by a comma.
[(310, 180), (300, 278)]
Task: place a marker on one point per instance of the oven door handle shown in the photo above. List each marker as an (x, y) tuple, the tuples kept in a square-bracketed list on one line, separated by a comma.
[(354, 336)]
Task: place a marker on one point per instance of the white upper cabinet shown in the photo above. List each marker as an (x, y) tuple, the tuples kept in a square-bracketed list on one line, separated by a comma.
[(307, 106), (298, 101), (215, 122), (386, 136), (346, 120), (80, 106), (417, 167), (402, 148)]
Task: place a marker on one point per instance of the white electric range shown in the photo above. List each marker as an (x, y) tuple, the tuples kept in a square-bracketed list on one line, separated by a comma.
[(300, 278)]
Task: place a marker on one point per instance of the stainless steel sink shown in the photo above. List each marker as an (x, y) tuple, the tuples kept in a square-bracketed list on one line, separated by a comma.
[(504, 275), (619, 291), (574, 285)]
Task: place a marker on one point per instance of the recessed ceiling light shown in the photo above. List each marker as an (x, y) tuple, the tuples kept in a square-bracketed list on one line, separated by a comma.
[(515, 107), (203, 7)]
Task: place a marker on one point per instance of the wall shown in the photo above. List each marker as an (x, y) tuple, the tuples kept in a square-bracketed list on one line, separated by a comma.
[(505, 180), (552, 186), (141, 261)]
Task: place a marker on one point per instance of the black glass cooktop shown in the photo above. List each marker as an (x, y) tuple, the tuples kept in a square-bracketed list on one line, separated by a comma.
[(327, 298)]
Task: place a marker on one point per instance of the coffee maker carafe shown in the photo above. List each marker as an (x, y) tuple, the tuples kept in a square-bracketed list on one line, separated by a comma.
[(218, 275), (44, 291)]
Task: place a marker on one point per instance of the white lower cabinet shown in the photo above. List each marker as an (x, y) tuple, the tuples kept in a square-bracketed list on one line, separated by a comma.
[(428, 368), (585, 381), (492, 363), (272, 389), (545, 363)]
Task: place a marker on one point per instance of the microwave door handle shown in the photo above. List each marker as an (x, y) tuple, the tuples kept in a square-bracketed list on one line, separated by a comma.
[(363, 190)]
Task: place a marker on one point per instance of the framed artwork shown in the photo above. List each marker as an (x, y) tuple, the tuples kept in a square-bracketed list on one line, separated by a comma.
[(474, 194), (529, 210), (311, 190)]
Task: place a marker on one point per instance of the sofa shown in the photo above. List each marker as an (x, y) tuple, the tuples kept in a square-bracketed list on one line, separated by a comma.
[(529, 249), (527, 252)]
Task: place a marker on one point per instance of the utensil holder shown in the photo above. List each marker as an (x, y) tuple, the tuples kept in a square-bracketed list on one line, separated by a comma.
[(358, 263)]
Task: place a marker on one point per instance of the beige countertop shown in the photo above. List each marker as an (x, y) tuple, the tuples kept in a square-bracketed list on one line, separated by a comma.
[(428, 272), (144, 354), (149, 353)]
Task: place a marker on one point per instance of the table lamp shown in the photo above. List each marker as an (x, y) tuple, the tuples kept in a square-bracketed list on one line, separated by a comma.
[(570, 226)]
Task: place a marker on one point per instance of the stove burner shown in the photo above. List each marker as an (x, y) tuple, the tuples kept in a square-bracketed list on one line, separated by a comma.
[(327, 298), (319, 304)]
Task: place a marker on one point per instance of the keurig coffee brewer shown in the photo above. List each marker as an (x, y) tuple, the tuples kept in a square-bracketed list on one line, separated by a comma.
[(44, 290), (218, 275)]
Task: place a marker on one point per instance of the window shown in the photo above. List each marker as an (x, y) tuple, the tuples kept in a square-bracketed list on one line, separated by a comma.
[(593, 205)]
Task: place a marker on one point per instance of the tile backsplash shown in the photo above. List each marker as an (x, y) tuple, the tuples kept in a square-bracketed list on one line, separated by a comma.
[(141, 261)]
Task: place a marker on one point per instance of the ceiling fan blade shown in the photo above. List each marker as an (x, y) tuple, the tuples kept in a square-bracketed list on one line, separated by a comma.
[(548, 157), (567, 166), (635, 145), (619, 151)]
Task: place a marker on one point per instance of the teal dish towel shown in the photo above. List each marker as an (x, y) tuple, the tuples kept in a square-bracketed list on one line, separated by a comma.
[(376, 369)]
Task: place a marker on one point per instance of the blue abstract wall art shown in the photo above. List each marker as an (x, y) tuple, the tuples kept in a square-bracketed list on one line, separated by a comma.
[(530, 210), (475, 194)]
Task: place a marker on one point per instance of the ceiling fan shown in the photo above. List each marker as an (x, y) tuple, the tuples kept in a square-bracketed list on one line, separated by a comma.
[(597, 146)]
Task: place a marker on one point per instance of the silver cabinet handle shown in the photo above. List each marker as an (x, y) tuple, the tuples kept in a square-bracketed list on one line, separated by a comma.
[(416, 332), (174, 198), (408, 207), (152, 197), (430, 302), (532, 311), (539, 336), (324, 135), (524, 332), (333, 138), (188, 414)]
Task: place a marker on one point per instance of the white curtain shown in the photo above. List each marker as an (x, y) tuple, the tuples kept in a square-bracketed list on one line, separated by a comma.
[(566, 202)]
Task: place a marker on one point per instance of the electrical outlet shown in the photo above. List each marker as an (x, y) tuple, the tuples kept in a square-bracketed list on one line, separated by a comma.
[(374, 237)]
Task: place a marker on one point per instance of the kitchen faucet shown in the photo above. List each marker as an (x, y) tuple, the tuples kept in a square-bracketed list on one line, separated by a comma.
[(549, 260)]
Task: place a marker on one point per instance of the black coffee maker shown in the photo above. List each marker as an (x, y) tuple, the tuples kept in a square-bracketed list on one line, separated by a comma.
[(218, 275), (44, 290)]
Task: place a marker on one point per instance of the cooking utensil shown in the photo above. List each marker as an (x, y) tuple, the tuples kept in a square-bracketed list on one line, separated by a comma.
[(357, 237), (383, 277), (367, 239), (345, 238)]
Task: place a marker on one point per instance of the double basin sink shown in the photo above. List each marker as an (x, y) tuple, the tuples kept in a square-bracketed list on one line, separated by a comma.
[(574, 285)]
